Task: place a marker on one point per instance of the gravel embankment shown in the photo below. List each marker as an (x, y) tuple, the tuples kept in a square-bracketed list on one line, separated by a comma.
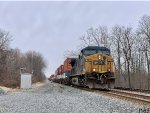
[(2, 91), (55, 98)]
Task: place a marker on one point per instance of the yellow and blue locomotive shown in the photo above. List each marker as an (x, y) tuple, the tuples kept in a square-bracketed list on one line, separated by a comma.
[(94, 68)]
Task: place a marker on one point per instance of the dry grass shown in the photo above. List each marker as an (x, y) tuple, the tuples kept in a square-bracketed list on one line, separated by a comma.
[(138, 81), (10, 83)]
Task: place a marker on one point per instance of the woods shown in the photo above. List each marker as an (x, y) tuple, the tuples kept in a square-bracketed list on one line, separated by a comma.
[(13, 62)]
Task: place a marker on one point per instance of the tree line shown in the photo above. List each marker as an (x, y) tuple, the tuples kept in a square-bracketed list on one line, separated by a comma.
[(13, 62), (130, 49)]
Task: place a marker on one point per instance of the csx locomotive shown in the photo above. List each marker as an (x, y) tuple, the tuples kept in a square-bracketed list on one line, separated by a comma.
[(94, 68)]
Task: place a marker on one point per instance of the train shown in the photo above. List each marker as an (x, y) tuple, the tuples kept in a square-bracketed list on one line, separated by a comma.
[(93, 68)]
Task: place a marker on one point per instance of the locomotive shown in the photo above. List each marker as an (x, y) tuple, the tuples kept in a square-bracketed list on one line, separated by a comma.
[(94, 68)]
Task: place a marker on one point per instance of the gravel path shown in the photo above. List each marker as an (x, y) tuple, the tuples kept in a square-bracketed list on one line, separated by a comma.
[(55, 98)]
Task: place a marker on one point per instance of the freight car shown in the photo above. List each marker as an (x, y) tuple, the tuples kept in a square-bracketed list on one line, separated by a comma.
[(67, 71), (58, 76), (93, 68)]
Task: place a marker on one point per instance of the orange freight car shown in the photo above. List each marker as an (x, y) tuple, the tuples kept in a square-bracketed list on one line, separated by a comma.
[(67, 65), (61, 70)]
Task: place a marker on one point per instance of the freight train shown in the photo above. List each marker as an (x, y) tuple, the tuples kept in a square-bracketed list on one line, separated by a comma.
[(94, 68)]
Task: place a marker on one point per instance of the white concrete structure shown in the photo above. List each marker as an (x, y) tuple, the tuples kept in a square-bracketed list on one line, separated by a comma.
[(26, 81)]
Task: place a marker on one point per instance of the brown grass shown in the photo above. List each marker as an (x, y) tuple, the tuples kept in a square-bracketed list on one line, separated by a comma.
[(10, 83)]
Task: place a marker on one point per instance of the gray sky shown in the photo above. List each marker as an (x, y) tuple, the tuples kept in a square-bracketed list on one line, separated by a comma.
[(51, 28)]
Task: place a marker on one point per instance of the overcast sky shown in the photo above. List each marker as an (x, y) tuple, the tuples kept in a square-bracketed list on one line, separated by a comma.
[(51, 28)]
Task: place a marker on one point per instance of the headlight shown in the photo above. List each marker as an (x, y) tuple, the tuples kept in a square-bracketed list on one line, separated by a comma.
[(99, 57)]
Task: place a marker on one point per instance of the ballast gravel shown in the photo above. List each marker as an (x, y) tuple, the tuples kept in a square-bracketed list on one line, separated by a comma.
[(2, 92), (55, 98)]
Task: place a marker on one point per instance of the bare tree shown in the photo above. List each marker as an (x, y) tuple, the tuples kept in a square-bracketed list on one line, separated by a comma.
[(123, 40), (98, 36), (4, 43), (144, 32), (36, 65), (71, 54), (116, 37), (126, 43), (5, 38)]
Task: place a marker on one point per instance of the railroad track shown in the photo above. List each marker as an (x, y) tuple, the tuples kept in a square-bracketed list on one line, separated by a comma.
[(132, 96), (136, 97)]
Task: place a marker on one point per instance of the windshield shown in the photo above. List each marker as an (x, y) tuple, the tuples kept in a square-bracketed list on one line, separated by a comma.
[(104, 52), (89, 52), (92, 51)]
